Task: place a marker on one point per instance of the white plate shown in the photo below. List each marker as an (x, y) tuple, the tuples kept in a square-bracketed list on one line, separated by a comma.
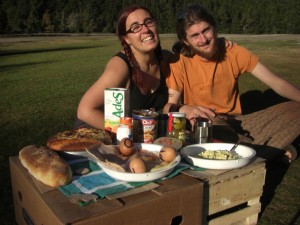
[(141, 177), (79, 154), (190, 153)]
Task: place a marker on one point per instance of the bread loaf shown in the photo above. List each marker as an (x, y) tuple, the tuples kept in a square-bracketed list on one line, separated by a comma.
[(45, 165)]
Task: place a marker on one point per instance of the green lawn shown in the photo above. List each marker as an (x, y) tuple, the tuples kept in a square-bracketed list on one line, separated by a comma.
[(43, 78)]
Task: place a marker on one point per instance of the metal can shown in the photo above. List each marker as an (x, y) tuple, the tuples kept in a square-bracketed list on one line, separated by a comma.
[(203, 131), (125, 129), (162, 125), (145, 123), (176, 125)]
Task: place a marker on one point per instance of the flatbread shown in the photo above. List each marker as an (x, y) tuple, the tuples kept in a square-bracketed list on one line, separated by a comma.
[(78, 139)]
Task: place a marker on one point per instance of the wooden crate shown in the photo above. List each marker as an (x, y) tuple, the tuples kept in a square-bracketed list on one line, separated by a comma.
[(232, 196), (172, 201)]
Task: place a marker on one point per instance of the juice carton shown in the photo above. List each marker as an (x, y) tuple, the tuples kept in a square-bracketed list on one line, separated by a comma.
[(116, 106)]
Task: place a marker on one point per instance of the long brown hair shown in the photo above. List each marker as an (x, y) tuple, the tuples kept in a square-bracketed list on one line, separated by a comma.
[(191, 15), (121, 32)]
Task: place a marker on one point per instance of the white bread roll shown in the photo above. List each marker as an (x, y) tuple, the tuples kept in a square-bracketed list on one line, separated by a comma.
[(45, 165)]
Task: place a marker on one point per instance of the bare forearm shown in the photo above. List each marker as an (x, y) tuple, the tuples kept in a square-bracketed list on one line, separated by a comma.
[(289, 91), (94, 118), (278, 84)]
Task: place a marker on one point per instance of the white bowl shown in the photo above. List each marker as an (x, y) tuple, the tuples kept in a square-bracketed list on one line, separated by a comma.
[(141, 177), (190, 154)]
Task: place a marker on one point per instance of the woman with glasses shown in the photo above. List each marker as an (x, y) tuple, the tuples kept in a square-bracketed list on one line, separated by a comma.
[(141, 67)]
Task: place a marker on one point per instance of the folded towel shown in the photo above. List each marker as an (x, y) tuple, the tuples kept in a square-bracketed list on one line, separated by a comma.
[(99, 183), (96, 181)]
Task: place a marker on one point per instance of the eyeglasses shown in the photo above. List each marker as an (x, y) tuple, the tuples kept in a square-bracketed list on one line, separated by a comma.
[(137, 27)]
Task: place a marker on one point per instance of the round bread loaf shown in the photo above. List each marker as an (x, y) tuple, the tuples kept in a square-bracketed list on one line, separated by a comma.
[(45, 165)]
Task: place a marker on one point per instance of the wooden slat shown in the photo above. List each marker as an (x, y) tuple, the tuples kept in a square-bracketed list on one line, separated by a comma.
[(241, 217), (233, 192), (226, 189)]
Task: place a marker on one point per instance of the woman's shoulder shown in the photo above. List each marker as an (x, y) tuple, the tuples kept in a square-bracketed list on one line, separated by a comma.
[(117, 65), (119, 57)]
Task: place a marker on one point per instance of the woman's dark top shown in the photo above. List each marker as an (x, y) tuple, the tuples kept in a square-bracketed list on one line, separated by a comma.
[(138, 101)]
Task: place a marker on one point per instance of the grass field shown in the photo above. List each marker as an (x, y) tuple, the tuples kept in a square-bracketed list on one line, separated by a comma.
[(43, 78)]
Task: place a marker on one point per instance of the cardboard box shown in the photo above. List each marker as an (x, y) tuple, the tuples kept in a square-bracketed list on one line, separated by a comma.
[(232, 196), (116, 106), (176, 201)]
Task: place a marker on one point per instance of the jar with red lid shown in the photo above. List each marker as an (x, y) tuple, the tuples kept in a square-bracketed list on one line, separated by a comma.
[(176, 125)]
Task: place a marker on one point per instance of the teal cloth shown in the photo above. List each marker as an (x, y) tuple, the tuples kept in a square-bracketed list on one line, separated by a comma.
[(99, 183)]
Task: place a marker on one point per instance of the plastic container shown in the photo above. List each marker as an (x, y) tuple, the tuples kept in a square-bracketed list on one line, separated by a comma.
[(125, 129)]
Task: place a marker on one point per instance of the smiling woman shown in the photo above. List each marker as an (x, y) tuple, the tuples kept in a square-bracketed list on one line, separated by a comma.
[(140, 67), (137, 27)]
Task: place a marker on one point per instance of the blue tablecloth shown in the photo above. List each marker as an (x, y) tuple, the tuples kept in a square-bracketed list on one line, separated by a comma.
[(99, 183)]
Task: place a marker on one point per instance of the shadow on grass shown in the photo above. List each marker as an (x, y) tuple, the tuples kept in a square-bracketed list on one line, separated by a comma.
[(256, 100), (13, 138), (20, 52), (253, 101), (10, 67), (275, 173), (6, 206)]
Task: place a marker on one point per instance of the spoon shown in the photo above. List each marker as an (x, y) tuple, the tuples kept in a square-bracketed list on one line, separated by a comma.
[(232, 150)]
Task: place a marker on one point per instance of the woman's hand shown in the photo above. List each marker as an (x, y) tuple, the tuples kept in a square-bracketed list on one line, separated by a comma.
[(228, 44)]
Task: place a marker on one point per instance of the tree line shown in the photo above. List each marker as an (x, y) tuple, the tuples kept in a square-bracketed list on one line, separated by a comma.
[(88, 16)]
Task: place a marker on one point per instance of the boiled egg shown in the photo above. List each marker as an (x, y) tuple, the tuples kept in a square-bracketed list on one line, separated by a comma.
[(126, 146), (137, 165), (167, 153)]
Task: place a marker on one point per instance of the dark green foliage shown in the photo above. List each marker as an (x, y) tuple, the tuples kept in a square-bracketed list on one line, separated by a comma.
[(86, 16)]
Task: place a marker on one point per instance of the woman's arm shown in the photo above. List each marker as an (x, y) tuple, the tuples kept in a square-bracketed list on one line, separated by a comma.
[(91, 107)]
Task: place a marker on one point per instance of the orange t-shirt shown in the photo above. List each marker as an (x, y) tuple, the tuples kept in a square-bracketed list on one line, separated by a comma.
[(211, 84)]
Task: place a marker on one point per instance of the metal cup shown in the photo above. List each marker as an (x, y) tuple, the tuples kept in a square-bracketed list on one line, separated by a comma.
[(202, 132)]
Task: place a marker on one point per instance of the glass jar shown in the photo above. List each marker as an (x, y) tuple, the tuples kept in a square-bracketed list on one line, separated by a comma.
[(176, 125)]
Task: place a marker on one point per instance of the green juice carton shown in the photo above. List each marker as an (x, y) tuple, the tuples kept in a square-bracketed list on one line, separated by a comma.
[(116, 106)]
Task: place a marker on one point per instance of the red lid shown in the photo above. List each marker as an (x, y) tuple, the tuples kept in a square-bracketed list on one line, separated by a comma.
[(170, 122), (126, 120)]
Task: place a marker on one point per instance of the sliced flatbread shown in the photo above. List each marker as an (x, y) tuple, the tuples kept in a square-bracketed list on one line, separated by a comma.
[(78, 139)]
